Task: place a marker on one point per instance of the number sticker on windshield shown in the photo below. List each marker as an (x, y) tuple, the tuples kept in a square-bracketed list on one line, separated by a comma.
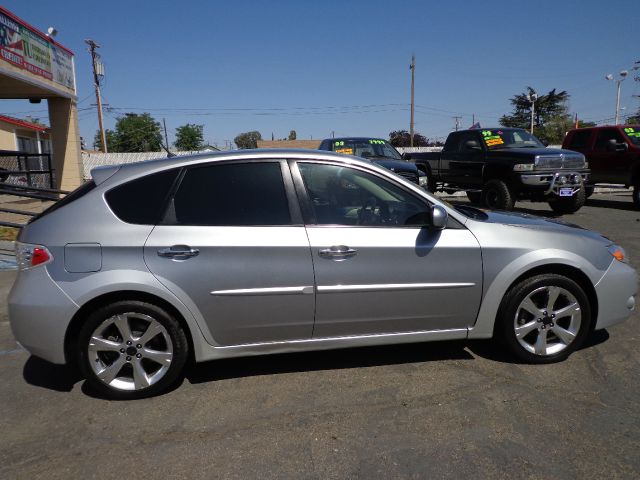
[(492, 139), (376, 142), (346, 151)]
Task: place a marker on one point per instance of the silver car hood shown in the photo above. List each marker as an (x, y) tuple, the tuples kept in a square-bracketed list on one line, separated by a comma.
[(525, 220)]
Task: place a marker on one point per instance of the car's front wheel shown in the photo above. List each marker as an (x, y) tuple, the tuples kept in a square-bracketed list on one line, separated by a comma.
[(636, 195), (544, 318), (131, 349), (571, 204)]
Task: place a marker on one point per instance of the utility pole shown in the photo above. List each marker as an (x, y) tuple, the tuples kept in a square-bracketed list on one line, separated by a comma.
[(457, 119), (413, 71), (98, 71), (532, 97)]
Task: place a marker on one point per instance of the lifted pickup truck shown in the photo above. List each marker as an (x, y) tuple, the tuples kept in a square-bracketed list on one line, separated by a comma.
[(498, 166), (613, 153)]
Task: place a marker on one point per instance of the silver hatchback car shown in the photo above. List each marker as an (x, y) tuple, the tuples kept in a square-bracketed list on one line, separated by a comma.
[(153, 264)]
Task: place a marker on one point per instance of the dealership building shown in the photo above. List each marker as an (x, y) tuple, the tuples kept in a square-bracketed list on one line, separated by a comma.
[(34, 66)]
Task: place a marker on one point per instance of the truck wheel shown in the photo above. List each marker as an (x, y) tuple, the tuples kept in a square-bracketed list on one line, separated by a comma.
[(572, 204), (475, 197), (497, 196), (636, 195), (588, 190)]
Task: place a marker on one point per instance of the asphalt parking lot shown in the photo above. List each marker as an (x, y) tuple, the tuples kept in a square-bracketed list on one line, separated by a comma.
[(436, 410)]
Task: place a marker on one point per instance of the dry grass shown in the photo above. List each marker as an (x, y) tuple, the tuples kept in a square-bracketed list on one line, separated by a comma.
[(8, 233)]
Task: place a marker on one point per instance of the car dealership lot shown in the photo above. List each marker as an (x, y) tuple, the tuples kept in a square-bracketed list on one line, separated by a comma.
[(416, 411)]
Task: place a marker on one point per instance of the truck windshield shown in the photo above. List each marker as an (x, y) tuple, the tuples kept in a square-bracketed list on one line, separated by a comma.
[(507, 138), (366, 148), (633, 133)]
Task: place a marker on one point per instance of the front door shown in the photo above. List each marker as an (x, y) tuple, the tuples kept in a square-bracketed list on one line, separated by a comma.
[(378, 269), (230, 248)]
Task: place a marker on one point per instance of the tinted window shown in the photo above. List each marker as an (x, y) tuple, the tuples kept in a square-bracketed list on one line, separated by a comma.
[(141, 201), (346, 196), (604, 136), (232, 194), (580, 139)]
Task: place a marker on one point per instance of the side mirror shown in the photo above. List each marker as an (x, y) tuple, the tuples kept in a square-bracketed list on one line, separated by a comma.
[(406, 156), (545, 143), (472, 145), (439, 217), (612, 145), (622, 147)]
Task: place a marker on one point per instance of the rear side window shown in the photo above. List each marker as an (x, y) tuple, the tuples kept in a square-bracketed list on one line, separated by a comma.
[(141, 201), (231, 194)]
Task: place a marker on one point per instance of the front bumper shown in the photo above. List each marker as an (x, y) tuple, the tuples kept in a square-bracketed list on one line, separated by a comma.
[(552, 182), (40, 312), (616, 293)]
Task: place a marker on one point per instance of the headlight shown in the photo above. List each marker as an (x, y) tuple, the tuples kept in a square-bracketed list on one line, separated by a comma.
[(617, 252), (523, 167)]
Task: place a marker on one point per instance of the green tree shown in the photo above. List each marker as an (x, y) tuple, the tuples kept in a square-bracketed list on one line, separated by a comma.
[(634, 119), (402, 138), (112, 141), (550, 108), (133, 133), (292, 135), (248, 139), (189, 137)]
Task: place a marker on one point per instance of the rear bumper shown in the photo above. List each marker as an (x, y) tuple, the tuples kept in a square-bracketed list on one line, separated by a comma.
[(40, 312), (616, 293)]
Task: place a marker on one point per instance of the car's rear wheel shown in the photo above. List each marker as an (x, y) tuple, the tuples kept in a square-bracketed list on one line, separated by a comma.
[(497, 196), (131, 349), (544, 318), (636, 195)]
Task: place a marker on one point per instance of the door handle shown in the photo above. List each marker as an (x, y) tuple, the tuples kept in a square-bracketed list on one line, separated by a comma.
[(178, 252), (337, 252)]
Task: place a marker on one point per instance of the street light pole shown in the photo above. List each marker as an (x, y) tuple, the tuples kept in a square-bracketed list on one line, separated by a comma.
[(623, 75), (532, 97), (413, 70)]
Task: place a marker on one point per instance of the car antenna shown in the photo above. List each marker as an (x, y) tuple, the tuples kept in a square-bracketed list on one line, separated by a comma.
[(169, 152)]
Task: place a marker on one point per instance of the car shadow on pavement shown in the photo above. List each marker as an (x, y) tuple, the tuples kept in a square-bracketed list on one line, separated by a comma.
[(327, 360), (615, 204), (41, 373)]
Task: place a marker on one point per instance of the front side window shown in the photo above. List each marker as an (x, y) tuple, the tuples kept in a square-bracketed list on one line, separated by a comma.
[(347, 196), (603, 140), (238, 194)]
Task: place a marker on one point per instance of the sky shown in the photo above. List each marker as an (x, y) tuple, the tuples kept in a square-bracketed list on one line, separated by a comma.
[(338, 67)]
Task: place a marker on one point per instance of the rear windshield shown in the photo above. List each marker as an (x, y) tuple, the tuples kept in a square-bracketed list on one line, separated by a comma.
[(79, 192), (633, 133)]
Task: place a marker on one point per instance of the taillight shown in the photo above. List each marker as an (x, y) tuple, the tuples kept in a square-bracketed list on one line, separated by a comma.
[(29, 256)]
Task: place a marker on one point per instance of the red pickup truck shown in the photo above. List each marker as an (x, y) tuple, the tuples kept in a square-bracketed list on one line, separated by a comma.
[(613, 153)]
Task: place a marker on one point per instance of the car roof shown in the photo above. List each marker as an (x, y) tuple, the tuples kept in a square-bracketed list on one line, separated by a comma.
[(102, 173)]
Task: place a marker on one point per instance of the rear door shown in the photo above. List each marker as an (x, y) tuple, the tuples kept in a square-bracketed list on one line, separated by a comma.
[(377, 268), (232, 247)]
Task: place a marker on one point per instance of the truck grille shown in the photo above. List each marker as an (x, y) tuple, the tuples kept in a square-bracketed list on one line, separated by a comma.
[(561, 161), (412, 177)]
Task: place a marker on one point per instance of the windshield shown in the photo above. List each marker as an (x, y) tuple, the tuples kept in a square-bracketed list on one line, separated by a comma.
[(366, 148), (633, 133), (506, 138)]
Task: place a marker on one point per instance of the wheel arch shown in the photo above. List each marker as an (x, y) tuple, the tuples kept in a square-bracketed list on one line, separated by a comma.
[(117, 296), (568, 271)]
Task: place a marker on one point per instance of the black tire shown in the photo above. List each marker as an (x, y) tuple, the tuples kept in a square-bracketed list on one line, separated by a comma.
[(497, 196), (169, 347), (539, 289), (588, 190), (564, 205), (636, 195), (475, 197)]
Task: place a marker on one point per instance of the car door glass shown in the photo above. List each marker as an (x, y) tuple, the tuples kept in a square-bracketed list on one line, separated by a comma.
[(602, 141), (231, 194), (348, 196)]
